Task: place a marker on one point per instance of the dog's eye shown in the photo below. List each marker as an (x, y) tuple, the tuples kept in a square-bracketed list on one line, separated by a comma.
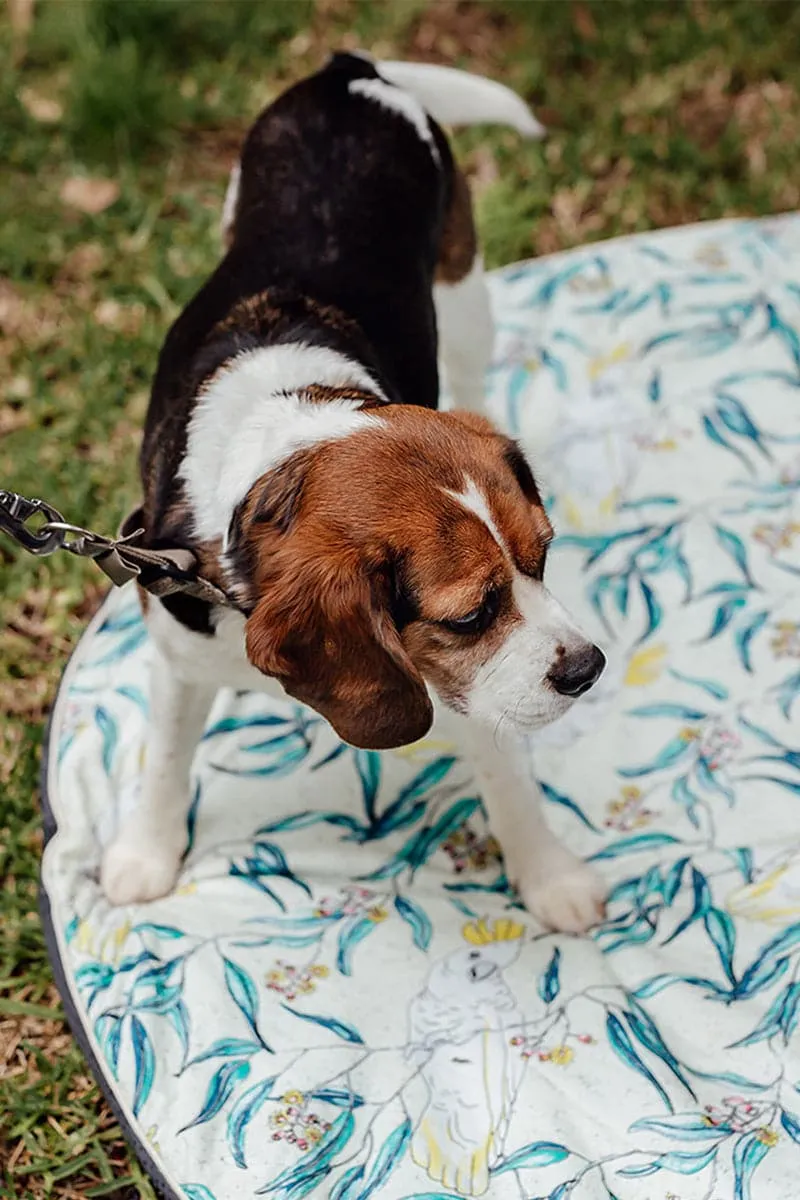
[(479, 619)]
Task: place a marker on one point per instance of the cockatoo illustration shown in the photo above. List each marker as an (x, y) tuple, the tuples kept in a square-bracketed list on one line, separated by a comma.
[(460, 1027), (595, 447), (774, 894)]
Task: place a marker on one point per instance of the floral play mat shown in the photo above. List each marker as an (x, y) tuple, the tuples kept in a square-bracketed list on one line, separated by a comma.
[(303, 1017)]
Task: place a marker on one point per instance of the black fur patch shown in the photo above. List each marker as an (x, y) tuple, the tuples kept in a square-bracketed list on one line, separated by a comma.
[(338, 227), (522, 473)]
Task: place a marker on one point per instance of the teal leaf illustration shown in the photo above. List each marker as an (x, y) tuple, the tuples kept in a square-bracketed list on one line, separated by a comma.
[(314, 1165), (682, 794), (235, 724), (226, 1048), (242, 1113), (711, 686), (338, 1097), (348, 1186), (425, 841), (674, 879), (432, 837), (652, 609), (127, 618), (536, 1154), (368, 765), (134, 694), (747, 1154), (303, 820), (743, 638), (243, 992), (703, 901), (346, 1032), (789, 1014), (789, 784), (713, 433), (632, 845), (742, 858), (197, 1191), (389, 1155), (686, 1162), (289, 740), (284, 764), (417, 919), (771, 1023), (549, 981), (178, 1017), (162, 931), (622, 1045), (763, 975), (791, 1125), (128, 645), (109, 733), (721, 930), (724, 615), (144, 1063), (331, 756), (645, 1030), (680, 711), (352, 932), (683, 1127), (787, 693), (677, 749), (566, 802), (397, 814), (220, 1087)]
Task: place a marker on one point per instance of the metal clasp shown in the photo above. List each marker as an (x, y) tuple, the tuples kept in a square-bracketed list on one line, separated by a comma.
[(15, 513)]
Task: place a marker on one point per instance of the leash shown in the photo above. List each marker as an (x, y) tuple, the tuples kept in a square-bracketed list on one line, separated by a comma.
[(160, 572)]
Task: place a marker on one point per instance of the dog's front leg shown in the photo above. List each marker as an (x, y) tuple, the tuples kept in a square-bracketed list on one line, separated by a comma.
[(143, 860), (556, 887)]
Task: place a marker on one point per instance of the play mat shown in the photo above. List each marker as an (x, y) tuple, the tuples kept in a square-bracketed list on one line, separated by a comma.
[(302, 1018)]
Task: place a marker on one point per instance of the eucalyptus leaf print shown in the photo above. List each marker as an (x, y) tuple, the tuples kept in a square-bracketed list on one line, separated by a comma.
[(344, 998)]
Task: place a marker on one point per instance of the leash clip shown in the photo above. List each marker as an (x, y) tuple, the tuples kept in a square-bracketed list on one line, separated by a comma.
[(15, 513)]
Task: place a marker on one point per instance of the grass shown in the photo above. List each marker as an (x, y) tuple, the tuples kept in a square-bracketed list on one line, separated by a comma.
[(659, 114)]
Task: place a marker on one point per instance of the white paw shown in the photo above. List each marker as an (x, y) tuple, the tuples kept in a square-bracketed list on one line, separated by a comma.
[(133, 872), (570, 900)]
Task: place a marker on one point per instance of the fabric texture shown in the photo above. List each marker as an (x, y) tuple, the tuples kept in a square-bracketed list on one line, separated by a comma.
[(342, 999)]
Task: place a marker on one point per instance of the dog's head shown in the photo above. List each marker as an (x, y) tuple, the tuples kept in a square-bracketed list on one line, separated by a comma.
[(406, 555)]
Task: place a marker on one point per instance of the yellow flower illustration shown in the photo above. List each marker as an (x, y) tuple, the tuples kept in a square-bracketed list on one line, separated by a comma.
[(424, 747), (598, 366), (562, 1056), (320, 970), (293, 1098), (377, 914), (767, 1137), (646, 666)]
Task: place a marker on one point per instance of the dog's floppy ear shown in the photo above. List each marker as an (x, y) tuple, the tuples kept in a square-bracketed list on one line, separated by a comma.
[(323, 628)]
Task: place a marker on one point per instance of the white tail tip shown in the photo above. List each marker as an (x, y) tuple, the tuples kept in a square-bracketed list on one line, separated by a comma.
[(455, 97)]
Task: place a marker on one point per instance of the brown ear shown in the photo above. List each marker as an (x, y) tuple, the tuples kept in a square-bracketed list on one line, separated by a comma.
[(329, 638)]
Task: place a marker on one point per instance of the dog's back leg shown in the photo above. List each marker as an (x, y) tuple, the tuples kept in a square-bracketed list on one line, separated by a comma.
[(463, 311)]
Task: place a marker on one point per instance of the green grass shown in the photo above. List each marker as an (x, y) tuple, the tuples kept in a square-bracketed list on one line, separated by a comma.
[(659, 114)]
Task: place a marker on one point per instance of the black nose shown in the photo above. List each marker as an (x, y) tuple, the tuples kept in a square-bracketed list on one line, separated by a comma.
[(575, 673)]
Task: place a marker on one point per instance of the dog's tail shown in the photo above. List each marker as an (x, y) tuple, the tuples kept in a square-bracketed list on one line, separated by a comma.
[(455, 97)]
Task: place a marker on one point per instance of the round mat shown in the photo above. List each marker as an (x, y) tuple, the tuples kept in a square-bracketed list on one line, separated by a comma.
[(341, 999)]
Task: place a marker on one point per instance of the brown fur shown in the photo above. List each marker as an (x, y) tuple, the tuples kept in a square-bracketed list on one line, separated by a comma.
[(323, 568), (459, 242)]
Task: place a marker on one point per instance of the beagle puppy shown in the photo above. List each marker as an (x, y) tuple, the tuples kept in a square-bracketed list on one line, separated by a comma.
[(382, 558)]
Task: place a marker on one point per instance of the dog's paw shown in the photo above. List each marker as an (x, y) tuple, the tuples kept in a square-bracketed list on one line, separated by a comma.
[(133, 873), (569, 900)]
